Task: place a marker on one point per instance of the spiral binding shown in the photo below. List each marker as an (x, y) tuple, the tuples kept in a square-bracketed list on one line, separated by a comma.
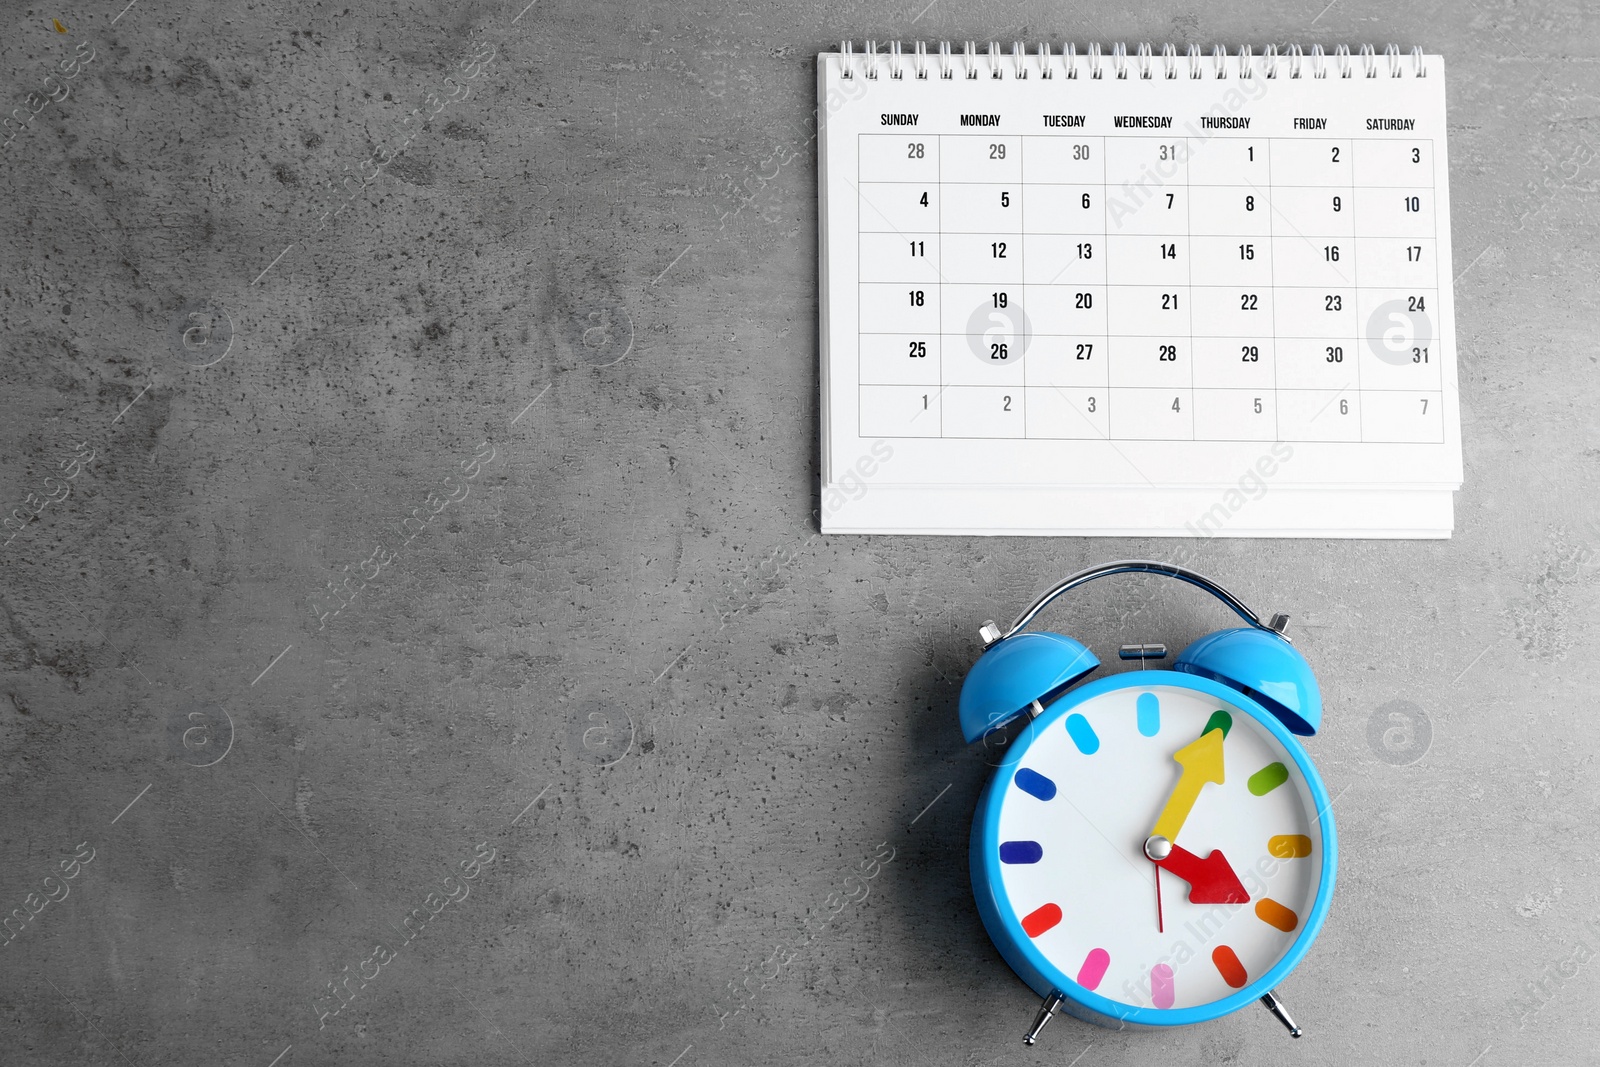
[(1068, 63)]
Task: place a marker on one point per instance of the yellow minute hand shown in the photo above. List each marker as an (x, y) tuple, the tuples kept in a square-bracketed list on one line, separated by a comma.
[(1201, 762)]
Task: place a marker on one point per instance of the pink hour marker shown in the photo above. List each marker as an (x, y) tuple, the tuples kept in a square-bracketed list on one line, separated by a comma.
[(1161, 990), (1094, 968)]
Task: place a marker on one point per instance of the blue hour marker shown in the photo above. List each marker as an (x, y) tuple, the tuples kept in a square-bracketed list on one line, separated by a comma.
[(1083, 734), (1020, 852), (1149, 714), (1035, 784)]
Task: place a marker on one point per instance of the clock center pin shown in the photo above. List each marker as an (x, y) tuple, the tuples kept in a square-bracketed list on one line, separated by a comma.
[(1157, 847)]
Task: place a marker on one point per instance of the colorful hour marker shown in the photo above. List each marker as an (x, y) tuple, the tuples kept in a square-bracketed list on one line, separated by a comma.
[(1149, 708), (1289, 846), (1229, 967), (1161, 987), (1041, 919), (1094, 968), (1272, 913), (1083, 734), (1220, 720), (1035, 784), (1020, 852), (1268, 778)]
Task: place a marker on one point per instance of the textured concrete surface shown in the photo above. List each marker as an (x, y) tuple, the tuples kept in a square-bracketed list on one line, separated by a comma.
[(428, 561)]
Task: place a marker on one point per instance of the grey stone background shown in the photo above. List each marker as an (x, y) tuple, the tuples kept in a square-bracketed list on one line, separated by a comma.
[(620, 657)]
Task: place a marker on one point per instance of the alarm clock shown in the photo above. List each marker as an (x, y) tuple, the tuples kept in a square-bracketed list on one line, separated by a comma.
[(1156, 848)]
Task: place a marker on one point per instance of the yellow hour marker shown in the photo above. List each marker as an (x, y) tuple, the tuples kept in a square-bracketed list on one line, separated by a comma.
[(1289, 846), (59, 28)]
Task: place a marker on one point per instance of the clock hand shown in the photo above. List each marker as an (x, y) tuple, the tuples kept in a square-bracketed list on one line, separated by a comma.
[(1201, 762), (1161, 922), (1211, 880)]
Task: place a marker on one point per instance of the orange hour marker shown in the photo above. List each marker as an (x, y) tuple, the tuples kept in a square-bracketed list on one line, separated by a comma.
[(1229, 967), (1272, 913), (1289, 846)]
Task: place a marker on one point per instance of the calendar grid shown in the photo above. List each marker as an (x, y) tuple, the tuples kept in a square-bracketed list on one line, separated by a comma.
[(1355, 284), (1272, 273), (1022, 269), (1035, 137), (1376, 252), (1188, 295), (938, 184)]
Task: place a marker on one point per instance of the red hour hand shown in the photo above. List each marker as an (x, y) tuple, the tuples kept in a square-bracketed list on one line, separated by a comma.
[(1211, 880)]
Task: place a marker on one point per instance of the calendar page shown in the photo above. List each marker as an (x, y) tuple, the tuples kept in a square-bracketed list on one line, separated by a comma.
[(1091, 294)]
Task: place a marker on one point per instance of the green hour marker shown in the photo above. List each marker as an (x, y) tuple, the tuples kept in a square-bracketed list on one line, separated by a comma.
[(1220, 720), (1268, 778)]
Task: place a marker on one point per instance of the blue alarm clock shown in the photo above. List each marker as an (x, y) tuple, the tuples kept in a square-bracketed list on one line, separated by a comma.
[(1156, 847)]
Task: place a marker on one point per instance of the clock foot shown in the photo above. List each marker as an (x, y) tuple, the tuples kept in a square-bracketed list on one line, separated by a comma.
[(1051, 1003), (1275, 1006)]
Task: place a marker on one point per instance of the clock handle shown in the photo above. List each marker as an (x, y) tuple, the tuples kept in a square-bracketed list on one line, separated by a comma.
[(992, 633), (1279, 1012), (1048, 1009)]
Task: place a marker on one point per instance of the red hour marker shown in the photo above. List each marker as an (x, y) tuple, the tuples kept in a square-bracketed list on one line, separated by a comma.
[(1229, 967), (1038, 921)]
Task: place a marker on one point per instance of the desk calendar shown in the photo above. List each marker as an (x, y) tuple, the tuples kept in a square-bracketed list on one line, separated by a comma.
[(1075, 292)]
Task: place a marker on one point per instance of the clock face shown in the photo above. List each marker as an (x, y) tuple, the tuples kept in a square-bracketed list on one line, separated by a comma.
[(1236, 828)]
